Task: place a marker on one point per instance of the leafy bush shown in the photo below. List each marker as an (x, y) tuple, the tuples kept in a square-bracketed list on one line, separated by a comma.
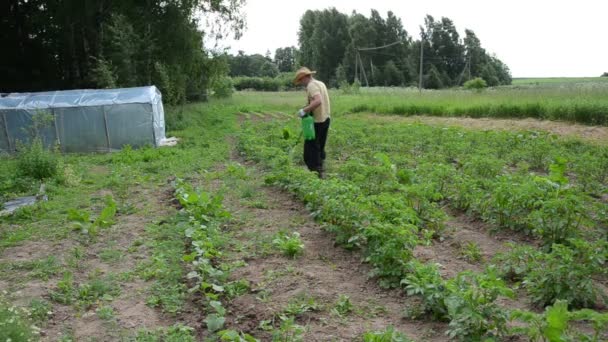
[(515, 264), (471, 306), (566, 273), (257, 83), (35, 161), (223, 87), (477, 84)]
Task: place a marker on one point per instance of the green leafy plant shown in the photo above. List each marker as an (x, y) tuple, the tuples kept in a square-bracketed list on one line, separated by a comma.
[(471, 306), (343, 306), (14, 324), (425, 281), (40, 310), (566, 273), (215, 321), (291, 246), (301, 305), (81, 220), (477, 84), (289, 331), (234, 336), (554, 325), (35, 161), (387, 335), (471, 252)]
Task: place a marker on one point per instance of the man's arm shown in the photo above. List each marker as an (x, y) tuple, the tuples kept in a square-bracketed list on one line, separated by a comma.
[(316, 102)]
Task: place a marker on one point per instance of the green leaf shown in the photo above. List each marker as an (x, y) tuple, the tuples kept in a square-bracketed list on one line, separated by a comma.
[(557, 321), (214, 322)]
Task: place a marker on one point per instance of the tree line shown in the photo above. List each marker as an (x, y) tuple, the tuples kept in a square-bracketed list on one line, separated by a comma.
[(67, 44), (378, 51)]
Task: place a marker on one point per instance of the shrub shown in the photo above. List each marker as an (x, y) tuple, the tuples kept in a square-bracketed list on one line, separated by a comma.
[(35, 161), (223, 87), (477, 84), (566, 273)]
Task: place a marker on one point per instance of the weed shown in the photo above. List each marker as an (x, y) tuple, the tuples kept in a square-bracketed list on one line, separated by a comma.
[(387, 335), (105, 313), (471, 252), (14, 325), (110, 255), (35, 161), (40, 310), (237, 288), (289, 331), (290, 246), (343, 306), (234, 336), (301, 305)]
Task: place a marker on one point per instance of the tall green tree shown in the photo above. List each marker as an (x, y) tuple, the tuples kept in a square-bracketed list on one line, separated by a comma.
[(285, 58), (65, 44)]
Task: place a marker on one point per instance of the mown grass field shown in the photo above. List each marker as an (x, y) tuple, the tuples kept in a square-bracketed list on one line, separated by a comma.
[(440, 231)]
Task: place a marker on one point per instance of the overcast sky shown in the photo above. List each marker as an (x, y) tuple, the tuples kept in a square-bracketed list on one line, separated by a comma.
[(535, 38)]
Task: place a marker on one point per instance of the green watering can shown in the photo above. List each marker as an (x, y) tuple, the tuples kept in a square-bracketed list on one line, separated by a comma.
[(308, 127)]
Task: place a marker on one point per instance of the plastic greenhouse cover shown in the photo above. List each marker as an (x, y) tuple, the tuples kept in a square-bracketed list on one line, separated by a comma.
[(86, 120), (79, 98)]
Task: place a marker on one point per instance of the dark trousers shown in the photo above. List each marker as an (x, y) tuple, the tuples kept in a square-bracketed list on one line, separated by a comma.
[(314, 150)]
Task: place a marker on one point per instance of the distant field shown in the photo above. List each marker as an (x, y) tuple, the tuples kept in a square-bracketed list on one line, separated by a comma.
[(557, 80), (582, 102)]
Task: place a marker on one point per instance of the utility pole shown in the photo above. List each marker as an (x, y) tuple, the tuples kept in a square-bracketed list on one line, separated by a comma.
[(357, 66), (363, 70), (421, 63)]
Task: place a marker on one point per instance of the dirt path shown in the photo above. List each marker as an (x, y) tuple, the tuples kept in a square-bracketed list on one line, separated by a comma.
[(596, 134)]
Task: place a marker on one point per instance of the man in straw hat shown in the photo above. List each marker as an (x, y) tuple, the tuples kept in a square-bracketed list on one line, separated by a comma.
[(318, 104)]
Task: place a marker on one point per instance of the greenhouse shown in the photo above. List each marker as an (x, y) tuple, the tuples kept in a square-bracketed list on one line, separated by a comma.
[(102, 120)]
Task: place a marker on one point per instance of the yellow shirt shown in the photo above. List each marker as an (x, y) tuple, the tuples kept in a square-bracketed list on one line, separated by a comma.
[(313, 88)]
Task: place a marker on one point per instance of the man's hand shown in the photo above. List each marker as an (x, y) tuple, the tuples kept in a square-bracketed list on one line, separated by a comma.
[(301, 113)]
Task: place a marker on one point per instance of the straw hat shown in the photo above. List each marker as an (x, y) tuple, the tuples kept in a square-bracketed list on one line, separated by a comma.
[(301, 73)]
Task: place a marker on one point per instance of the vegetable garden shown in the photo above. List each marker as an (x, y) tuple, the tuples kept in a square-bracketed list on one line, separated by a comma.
[(421, 231)]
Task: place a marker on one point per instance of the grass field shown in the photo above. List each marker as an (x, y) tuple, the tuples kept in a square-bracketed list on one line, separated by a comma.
[(422, 231)]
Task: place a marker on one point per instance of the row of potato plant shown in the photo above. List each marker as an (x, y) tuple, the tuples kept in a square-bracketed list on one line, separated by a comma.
[(386, 197)]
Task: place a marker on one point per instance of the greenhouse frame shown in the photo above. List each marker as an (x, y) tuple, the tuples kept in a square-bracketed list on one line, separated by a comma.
[(103, 120)]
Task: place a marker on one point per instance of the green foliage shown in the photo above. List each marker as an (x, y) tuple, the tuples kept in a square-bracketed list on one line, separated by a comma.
[(300, 305), (516, 263), (14, 324), (290, 246), (566, 273), (471, 252), (222, 87), (425, 281), (216, 320), (103, 74), (40, 310), (257, 83), (477, 84), (81, 220), (234, 336), (35, 161), (136, 39), (289, 331), (471, 306), (387, 335), (343, 306), (555, 324)]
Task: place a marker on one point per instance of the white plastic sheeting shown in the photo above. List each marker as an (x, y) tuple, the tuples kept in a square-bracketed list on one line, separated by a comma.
[(85, 120)]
